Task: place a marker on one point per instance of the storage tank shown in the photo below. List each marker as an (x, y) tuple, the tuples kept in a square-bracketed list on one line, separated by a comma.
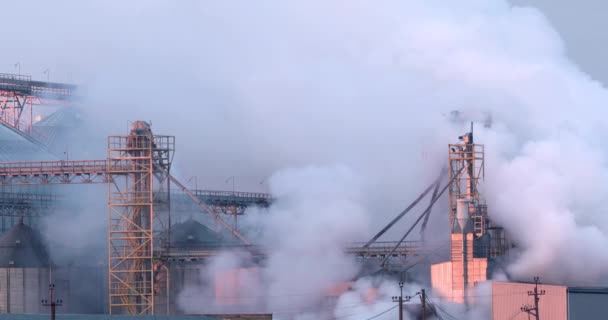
[(24, 270)]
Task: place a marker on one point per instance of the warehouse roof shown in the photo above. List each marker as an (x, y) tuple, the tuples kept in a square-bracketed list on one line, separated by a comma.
[(596, 290)]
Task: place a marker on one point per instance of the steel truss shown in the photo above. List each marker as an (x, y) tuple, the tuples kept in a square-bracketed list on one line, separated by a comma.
[(465, 185), (378, 250), (239, 201), (19, 94), (133, 221), (54, 172), (137, 172), (28, 206)]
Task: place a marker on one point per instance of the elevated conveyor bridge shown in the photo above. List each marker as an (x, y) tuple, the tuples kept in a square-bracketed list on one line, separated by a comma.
[(138, 178)]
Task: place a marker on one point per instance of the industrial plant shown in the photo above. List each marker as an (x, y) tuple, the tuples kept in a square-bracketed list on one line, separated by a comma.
[(153, 256)]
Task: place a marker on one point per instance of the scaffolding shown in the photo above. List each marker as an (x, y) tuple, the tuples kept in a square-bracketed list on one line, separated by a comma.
[(465, 185), (135, 163), (474, 240), (137, 173)]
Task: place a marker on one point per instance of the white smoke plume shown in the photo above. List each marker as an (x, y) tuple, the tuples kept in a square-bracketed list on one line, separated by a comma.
[(367, 300), (317, 214), (253, 88)]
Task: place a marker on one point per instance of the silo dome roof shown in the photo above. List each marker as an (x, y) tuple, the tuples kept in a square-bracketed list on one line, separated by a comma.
[(23, 247)]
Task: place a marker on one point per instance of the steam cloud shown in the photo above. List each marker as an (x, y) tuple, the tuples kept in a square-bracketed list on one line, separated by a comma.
[(305, 240), (253, 88)]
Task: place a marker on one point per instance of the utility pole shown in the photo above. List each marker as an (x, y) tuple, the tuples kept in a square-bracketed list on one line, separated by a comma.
[(53, 303), (423, 299), (533, 310), (399, 299)]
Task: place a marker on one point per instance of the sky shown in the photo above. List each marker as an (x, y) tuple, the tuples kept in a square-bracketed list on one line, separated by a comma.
[(582, 25)]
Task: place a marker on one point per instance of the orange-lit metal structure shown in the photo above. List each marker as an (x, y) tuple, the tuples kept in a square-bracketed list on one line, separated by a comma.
[(18, 96), (452, 279), (473, 238), (133, 220), (137, 172), (54, 172)]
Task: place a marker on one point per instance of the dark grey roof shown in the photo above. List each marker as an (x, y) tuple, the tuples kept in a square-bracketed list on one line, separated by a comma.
[(23, 247), (596, 290), (192, 233)]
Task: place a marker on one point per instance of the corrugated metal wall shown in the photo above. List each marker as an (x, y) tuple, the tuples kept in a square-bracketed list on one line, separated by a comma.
[(182, 276), (441, 278), (447, 278), (21, 289), (3, 290), (587, 303), (234, 287), (509, 297)]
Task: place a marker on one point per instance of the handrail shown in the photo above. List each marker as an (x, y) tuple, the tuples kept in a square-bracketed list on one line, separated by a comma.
[(240, 194)]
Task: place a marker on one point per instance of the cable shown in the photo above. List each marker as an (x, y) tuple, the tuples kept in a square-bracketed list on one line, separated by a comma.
[(426, 218), (412, 205), (383, 312), (515, 315), (430, 206), (443, 310), (436, 306)]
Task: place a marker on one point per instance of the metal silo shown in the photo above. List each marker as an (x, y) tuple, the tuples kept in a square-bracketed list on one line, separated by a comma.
[(24, 270)]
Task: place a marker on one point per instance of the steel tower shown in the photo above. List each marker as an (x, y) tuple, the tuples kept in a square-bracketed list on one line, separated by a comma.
[(138, 170), (474, 240)]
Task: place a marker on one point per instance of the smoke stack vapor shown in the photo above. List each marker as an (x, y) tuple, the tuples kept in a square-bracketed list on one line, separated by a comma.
[(343, 104)]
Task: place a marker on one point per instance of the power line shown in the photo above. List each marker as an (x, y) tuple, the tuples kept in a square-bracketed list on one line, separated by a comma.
[(383, 312), (515, 315), (436, 306), (428, 208)]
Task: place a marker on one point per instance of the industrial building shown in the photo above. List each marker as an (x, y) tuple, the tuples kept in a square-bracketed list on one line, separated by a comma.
[(152, 256), (33, 115), (509, 300), (474, 239)]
